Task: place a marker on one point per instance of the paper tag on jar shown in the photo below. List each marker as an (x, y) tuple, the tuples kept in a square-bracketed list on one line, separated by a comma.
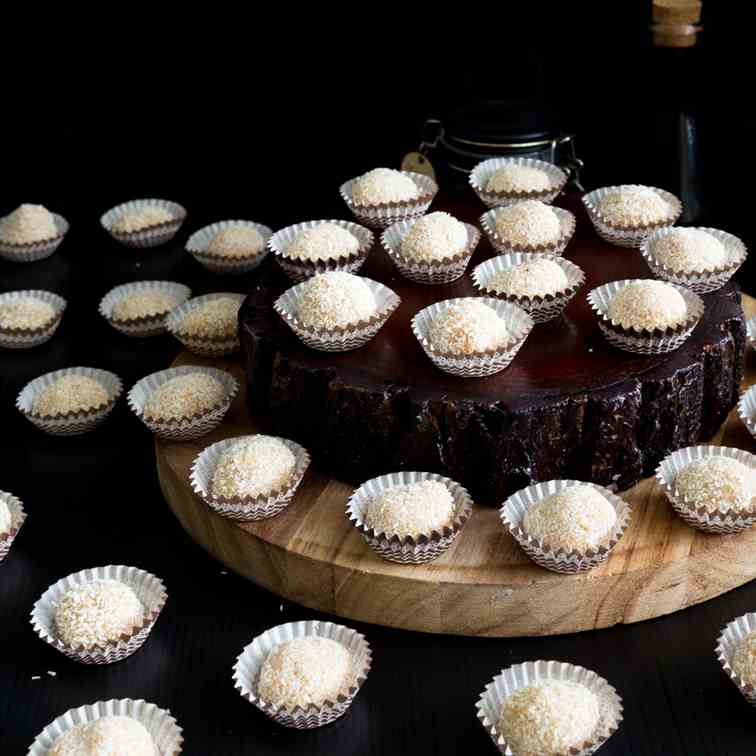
[(418, 163)]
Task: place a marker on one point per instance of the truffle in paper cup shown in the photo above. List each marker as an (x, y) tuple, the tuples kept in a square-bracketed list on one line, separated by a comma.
[(441, 271), (245, 508), (298, 269), (149, 325), (702, 281), (628, 236), (566, 223), (185, 428), (198, 242), (162, 727), (747, 410), (717, 521), (149, 236), (250, 662), (25, 338), (541, 309), (727, 645), (70, 423), (751, 332), (518, 676), (148, 588), (338, 339), (207, 346), (410, 549), (480, 175), (385, 214), (37, 250), (644, 341), (18, 516), (477, 364), (512, 515)]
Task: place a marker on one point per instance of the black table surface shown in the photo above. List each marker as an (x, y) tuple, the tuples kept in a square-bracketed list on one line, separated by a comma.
[(95, 500)]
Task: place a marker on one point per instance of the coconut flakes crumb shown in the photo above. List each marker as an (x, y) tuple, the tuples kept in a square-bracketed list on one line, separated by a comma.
[(108, 736), (718, 483), (633, 206), (436, 236), (689, 250), (528, 224), (27, 224), (26, 312), (70, 393), (466, 327), (236, 241), (215, 318), (519, 178), (648, 305), (143, 304), (532, 278), (744, 659), (184, 396), (326, 241), (335, 300), (6, 520), (140, 218), (383, 185)]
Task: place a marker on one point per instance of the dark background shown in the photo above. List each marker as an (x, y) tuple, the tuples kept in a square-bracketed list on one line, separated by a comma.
[(257, 121)]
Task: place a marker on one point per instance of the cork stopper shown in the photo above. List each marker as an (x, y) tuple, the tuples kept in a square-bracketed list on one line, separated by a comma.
[(676, 22)]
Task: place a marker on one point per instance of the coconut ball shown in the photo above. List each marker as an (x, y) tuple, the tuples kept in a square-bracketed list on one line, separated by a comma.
[(139, 218), (184, 396), (70, 393), (107, 736), (633, 206), (466, 327), (383, 185), (718, 483), (28, 224), (6, 519), (436, 236), (516, 178), (528, 224), (648, 305), (236, 241), (533, 278), (689, 250), (335, 300), (744, 659), (27, 313), (326, 241), (143, 304), (576, 518), (214, 318), (305, 671)]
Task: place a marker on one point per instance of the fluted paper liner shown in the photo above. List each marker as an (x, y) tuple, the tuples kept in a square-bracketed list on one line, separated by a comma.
[(628, 236), (37, 250), (341, 339), (163, 728), (416, 548), (718, 521), (727, 645), (148, 588), (18, 516), (747, 409), (441, 271), (644, 341), (184, 428), (198, 242), (207, 346), (518, 676), (478, 364), (250, 662), (245, 508), (25, 338), (751, 331), (540, 308), (385, 214), (148, 325), (149, 236), (70, 423), (299, 269), (567, 230), (480, 175)]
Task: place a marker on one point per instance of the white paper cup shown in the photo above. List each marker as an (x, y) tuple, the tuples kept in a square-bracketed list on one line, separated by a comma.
[(747, 409), (150, 325), (185, 428), (298, 269), (479, 364), (727, 645), (751, 332), (519, 676), (71, 423), (149, 236), (198, 242), (163, 728), (250, 662), (480, 175), (207, 346), (37, 250), (17, 520), (717, 521), (643, 341), (245, 508), (500, 244), (26, 338), (384, 214), (628, 236), (148, 588)]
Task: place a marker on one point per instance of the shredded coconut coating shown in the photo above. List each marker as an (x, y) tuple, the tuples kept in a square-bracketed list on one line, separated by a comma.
[(215, 318), (28, 224), (689, 250), (97, 613), (413, 509), (255, 466), (648, 305), (107, 736), (236, 241), (436, 236), (383, 185), (326, 241), (549, 717), (27, 312), (141, 218), (306, 671), (467, 327), (577, 518), (5, 517), (528, 224), (519, 178), (633, 206), (718, 483), (335, 300), (744, 659), (143, 304), (533, 278), (184, 396), (70, 393)]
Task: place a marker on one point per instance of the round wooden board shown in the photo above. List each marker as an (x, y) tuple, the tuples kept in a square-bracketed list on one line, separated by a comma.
[(484, 584)]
